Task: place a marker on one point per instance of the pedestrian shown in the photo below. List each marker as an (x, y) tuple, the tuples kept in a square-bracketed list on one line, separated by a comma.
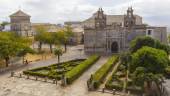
[(26, 62)]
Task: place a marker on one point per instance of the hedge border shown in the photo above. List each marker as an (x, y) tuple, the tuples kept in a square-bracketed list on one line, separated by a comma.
[(80, 69), (101, 73)]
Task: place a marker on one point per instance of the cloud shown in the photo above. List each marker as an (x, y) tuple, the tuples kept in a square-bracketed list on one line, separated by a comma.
[(155, 12)]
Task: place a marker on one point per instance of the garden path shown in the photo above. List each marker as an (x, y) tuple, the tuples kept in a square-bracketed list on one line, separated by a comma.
[(81, 83), (109, 74)]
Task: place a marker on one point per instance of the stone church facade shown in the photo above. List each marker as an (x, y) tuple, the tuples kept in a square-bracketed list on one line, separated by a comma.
[(21, 24), (114, 35)]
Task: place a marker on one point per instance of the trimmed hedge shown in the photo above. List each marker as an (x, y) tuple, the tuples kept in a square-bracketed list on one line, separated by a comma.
[(34, 72), (79, 69), (101, 73), (42, 75), (40, 68), (119, 86), (111, 86)]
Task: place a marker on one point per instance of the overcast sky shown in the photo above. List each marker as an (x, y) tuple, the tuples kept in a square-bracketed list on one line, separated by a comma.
[(154, 12)]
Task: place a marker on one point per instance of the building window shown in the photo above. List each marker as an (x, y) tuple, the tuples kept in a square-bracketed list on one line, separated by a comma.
[(149, 32)]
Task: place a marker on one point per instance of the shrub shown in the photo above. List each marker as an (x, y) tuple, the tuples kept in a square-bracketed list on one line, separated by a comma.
[(111, 86), (135, 89), (79, 69), (34, 73), (101, 73), (167, 72), (39, 68), (62, 63), (119, 87)]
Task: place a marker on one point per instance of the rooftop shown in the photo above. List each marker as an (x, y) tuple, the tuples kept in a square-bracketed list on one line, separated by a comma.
[(19, 13)]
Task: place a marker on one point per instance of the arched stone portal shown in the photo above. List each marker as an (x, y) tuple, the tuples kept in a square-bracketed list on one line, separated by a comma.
[(114, 47)]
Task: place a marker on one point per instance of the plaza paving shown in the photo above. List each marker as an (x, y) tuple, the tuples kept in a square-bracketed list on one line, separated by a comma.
[(12, 86)]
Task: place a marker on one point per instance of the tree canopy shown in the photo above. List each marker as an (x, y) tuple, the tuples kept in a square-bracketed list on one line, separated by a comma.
[(64, 35), (53, 38), (148, 66), (58, 52), (147, 41), (11, 44), (151, 59), (40, 35)]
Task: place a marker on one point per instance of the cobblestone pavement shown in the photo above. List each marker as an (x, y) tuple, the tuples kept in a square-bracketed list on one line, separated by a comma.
[(11, 86)]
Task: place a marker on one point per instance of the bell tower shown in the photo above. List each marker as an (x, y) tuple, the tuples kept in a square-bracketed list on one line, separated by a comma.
[(129, 18), (100, 19)]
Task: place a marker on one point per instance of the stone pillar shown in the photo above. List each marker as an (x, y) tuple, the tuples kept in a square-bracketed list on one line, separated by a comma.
[(45, 79), (114, 91), (20, 75), (12, 74), (36, 78), (103, 90), (28, 77), (54, 81)]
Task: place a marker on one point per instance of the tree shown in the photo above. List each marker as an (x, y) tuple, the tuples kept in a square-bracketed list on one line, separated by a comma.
[(147, 41), (58, 52), (50, 38), (40, 35), (22, 52), (162, 46), (7, 50), (148, 65), (5, 47), (10, 45), (3, 24), (146, 80), (64, 35), (139, 42), (155, 60), (169, 38)]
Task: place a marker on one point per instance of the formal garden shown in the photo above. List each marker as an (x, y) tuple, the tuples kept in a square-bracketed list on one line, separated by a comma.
[(55, 71), (67, 71), (117, 81)]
